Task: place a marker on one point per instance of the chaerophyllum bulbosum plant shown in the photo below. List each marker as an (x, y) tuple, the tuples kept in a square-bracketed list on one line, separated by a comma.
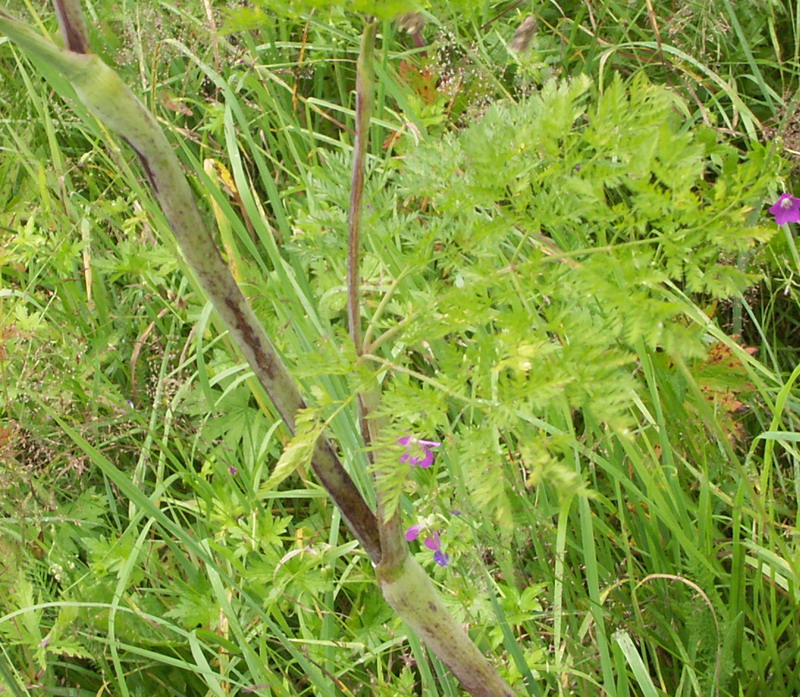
[(404, 584), (507, 276)]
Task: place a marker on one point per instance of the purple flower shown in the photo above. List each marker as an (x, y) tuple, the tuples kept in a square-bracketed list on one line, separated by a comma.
[(413, 533), (786, 209), (432, 542), (409, 442), (232, 470)]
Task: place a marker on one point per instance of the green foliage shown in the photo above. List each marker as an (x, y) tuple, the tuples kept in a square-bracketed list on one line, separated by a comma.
[(560, 329), (263, 13), (542, 256)]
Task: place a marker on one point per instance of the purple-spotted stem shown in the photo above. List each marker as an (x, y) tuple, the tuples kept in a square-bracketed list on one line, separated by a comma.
[(404, 584)]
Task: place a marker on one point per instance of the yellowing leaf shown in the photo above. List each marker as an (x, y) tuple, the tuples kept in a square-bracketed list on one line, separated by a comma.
[(299, 451)]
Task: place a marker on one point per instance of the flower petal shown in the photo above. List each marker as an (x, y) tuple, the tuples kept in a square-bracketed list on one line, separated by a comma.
[(413, 532), (441, 558), (433, 542), (426, 461), (786, 209), (413, 446)]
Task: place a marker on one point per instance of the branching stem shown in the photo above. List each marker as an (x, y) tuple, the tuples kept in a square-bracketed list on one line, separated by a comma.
[(404, 584), (393, 547)]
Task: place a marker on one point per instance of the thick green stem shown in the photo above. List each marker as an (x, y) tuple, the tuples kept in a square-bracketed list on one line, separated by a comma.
[(405, 585), (108, 98), (411, 593)]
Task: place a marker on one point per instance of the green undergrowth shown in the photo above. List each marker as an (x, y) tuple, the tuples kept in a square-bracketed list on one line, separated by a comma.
[(570, 281)]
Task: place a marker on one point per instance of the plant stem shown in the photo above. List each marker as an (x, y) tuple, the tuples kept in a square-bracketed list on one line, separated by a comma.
[(393, 546), (411, 593), (110, 99), (404, 584), (406, 587), (73, 28), (364, 98)]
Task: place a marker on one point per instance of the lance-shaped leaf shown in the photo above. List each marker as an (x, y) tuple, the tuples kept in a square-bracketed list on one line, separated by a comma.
[(299, 450)]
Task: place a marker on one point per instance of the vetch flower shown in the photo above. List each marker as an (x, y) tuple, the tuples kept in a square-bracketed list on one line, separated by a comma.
[(411, 444), (413, 533), (786, 209), (432, 542), (232, 470)]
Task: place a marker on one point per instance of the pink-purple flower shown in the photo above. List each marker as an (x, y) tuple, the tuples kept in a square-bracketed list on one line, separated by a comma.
[(432, 542), (786, 209), (413, 447)]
